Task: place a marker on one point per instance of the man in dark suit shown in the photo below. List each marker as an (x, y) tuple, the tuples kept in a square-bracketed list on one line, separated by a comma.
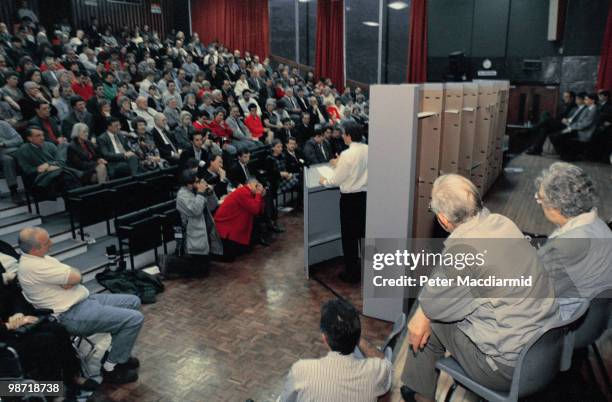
[(30, 98), (93, 103), (290, 104), (286, 132), (49, 124), (318, 114), (79, 114), (240, 173), (164, 140), (294, 160), (115, 149), (304, 130), (197, 152), (257, 85), (316, 149)]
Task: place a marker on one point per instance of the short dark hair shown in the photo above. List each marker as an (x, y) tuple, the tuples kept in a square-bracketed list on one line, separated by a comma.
[(592, 96), (110, 120), (74, 99), (581, 95), (604, 92), (291, 139), (354, 130), (572, 94), (39, 103), (138, 120), (188, 177), (30, 128), (242, 152), (252, 106), (341, 326)]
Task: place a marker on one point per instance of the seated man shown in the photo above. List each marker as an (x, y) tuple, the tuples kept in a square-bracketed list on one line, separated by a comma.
[(114, 148), (10, 141), (164, 140), (49, 284), (573, 140), (234, 218), (42, 167), (197, 152), (578, 254), (483, 328), (215, 176), (242, 137), (239, 173), (340, 376), (143, 110), (316, 150)]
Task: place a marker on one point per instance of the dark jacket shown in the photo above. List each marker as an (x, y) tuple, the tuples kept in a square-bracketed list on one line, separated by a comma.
[(71, 120), (165, 150), (292, 162), (79, 158), (313, 153), (37, 121), (106, 149), (236, 175)]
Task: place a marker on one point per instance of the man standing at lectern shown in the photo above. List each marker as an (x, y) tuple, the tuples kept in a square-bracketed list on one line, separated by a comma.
[(351, 175)]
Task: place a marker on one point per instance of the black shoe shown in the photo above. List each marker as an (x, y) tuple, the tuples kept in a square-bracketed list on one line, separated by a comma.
[(118, 376), (533, 151), (407, 394), (277, 229), (344, 277), (89, 385), (131, 364)]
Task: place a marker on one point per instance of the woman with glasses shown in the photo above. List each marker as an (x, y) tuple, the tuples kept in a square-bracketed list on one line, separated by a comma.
[(578, 253)]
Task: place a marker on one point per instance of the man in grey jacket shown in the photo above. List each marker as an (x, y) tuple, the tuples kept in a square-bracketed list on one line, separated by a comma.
[(241, 137), (578, 254), (483, 327), (10, 141), (194, 201)]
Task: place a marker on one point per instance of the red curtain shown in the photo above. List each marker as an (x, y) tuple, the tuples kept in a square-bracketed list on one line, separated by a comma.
[(329, 60), (238, 24), (417, 50), (604, 76)]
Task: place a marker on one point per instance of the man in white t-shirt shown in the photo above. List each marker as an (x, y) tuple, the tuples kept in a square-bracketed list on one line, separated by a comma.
[(50, 284)]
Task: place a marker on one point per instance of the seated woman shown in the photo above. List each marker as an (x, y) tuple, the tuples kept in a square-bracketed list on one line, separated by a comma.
[(190, 105), (578, 254), (333, 112), (194, 201), (43, 345), (99, 118), (184, 131), (143, 145), (84, 156), (271, 119), (279, 180), (125, 114)]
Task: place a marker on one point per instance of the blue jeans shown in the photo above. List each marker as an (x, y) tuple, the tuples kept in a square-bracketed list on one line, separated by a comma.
[(116, 314)]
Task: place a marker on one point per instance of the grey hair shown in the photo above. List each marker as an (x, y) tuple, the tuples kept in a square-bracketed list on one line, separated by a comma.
[(29, 85), (183, 114), (77, 129), (271, 101), (28, 239), (568, 188), (456, 197)]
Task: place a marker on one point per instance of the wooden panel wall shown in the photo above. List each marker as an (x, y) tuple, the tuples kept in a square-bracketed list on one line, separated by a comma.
[(119, 14)]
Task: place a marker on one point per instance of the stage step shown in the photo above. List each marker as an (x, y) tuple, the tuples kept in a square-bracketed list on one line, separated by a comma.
[(7, 208), (17, 222), (68, 248)]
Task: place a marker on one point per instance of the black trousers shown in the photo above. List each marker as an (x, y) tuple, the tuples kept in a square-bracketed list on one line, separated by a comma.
[(352, 227)]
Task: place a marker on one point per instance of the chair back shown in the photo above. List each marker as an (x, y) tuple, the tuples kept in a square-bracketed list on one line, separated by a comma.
[(398, 326), (538, 363), (10, 366), (595, 321), (7, 249)]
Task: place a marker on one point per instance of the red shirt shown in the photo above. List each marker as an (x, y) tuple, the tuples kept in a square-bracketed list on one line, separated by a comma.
[(51, 136), (254, 125), (234, 218), (220, 129), (84, 91)]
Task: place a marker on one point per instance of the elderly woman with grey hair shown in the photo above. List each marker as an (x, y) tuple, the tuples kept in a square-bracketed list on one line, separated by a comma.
[(172, 112), (271, 119), (84, 156), (184, 131), (578, 253)]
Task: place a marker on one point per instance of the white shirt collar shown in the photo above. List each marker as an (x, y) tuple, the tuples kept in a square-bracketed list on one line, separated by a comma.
[(577, 221)]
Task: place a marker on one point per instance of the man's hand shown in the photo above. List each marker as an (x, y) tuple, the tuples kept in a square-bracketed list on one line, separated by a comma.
[(200, 186), (62, 140), (42, 168), (67, 286), (419, 330), (9, 277), (259, 189), (322, 180), (51, 168), (129, 154), (19, 320), (102, 161), (334, 162), (222, 174), (285, 175)]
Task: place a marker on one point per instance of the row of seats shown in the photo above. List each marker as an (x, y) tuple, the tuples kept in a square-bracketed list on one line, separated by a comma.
[(102, 202)]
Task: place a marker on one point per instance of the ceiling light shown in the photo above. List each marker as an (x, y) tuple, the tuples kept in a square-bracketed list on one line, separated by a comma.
[(370, 23), (303, 1), (398, 5)]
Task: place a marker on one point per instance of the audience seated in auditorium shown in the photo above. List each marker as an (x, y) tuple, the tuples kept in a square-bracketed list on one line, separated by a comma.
[(50, 284), (40, 163), (304, 129), (78, 114), (240, 173), (195, 201), (164, 140), (196, 151), (84, 156), (485, 338), (242, 137), (574, 139), (215, 176), (234, 218), (578, 254), (340, 375)]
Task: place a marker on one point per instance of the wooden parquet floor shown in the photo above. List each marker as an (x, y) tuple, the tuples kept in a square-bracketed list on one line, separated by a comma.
[(235, 334)]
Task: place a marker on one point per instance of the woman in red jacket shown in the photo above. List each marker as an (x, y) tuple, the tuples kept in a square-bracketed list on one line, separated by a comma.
[(234, 218)]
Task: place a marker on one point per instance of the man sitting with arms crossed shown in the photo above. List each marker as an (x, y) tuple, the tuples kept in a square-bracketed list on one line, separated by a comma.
[(340, 376), (483, 328), (49, 284)]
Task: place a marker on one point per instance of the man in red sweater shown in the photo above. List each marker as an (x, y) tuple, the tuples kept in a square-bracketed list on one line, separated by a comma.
[(234, 218), (83, 86), (255, 126)]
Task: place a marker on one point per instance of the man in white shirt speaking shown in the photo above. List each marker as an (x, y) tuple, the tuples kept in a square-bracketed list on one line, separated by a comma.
[(49, 284), (351, 175)]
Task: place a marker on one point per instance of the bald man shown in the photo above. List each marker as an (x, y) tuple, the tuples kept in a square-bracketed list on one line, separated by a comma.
[(50, 284), (143, 110)]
